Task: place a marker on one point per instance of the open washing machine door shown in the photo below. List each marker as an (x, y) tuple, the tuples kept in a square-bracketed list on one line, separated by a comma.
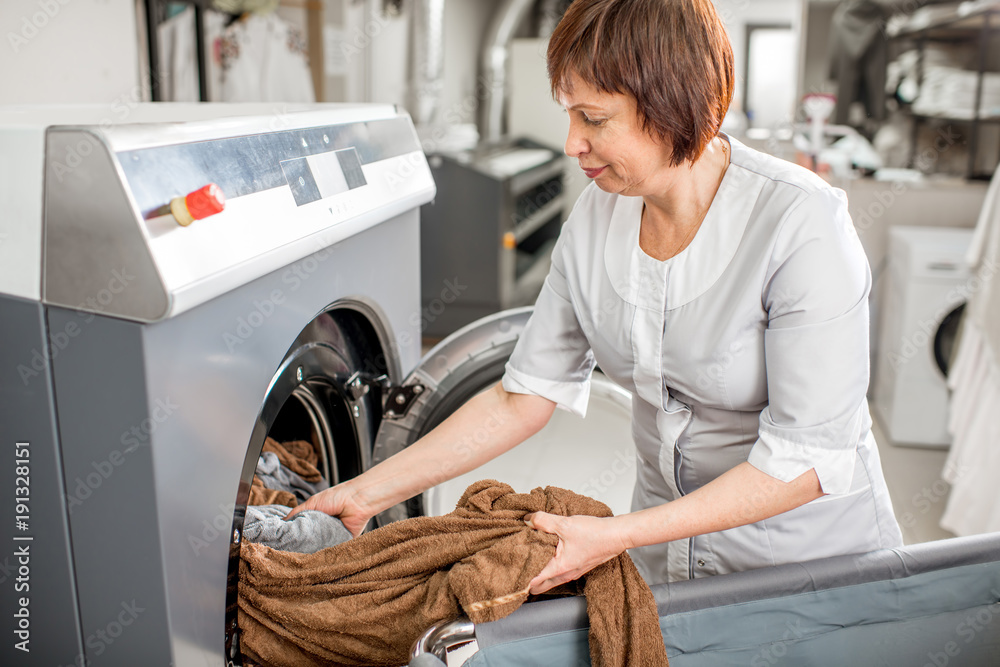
[(593, 456)]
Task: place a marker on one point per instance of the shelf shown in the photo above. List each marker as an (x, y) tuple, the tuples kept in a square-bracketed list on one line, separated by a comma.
[(950, 24), (975, 23), (533, 222), (957, 119), (527, 286)]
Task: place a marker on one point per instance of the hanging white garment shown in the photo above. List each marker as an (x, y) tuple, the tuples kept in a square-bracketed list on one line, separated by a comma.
[(973, 464), (750, 345), (178, 68), (264, 60)]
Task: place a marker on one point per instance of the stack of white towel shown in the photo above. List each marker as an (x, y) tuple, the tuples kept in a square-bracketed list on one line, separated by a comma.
[(951, 92)]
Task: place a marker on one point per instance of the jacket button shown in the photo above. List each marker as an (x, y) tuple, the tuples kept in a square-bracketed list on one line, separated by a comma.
[(701, 563)]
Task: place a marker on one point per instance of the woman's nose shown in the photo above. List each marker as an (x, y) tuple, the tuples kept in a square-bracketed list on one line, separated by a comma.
[(576, 143)]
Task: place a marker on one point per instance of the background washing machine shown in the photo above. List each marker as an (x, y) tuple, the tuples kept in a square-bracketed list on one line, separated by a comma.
[(929, 282), (144, 363)]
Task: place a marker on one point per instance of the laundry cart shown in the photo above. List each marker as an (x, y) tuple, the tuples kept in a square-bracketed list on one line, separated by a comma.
[(936, 603)]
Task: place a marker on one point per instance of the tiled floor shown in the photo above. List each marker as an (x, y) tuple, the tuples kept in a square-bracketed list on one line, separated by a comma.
[(918, 492)]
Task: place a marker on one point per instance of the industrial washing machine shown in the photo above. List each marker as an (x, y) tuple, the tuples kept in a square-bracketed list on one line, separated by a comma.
[(175, 286), (145, 361)]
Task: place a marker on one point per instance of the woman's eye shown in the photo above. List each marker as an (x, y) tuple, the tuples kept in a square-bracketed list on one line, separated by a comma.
[(593, 121)]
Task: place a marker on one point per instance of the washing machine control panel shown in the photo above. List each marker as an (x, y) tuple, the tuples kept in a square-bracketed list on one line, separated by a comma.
[(280, 194)]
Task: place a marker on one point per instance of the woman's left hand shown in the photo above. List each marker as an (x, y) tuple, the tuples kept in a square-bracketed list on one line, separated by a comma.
[(584, 543)]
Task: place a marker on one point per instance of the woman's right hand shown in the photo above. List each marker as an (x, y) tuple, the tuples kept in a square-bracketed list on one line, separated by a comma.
[(339, 501)]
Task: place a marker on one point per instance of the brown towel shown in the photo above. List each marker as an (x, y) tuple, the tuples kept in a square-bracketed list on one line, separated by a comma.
[(298, 456), (261, 495), (366, 601)]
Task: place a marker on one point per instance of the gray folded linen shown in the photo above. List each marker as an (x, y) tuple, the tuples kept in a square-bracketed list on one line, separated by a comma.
[(276, 476), (307, 532)]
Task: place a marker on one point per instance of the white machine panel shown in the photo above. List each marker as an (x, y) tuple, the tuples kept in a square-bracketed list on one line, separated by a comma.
[(294, 182), (928, 281), (22, 152), (21, 167)]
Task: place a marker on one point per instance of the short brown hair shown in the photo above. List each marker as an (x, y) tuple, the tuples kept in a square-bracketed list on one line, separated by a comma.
[(672, 56)]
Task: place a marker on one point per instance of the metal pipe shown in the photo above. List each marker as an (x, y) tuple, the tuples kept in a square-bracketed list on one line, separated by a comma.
[(427, 56), (437, 638), (153, 42), (199, 45), (493, 66)]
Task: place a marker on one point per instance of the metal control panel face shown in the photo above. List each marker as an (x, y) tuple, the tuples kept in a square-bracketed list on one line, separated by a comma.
[(282, 195), (244, 165), (320, 176)]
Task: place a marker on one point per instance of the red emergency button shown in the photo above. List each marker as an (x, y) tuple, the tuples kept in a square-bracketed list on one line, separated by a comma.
[(199, 204)]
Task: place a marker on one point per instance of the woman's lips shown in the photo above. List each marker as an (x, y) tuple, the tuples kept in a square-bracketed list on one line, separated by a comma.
[(593, 173)]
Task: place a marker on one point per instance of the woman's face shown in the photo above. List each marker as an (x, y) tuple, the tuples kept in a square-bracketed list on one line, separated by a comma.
[(607, 140)]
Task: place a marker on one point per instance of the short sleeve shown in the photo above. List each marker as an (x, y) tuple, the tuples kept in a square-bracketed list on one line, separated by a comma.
[(815, 346), (552, 358)]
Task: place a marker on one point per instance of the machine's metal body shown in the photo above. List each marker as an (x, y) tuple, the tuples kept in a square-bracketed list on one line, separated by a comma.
[(144, 362)]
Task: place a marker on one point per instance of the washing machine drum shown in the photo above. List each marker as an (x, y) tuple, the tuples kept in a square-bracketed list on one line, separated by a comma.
[(945, 339), (321, 394)]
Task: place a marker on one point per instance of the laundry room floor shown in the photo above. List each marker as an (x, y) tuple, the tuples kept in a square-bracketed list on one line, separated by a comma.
[(918, 492)]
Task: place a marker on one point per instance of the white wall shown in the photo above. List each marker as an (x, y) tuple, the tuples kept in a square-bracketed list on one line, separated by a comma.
[(534, 114), (466, 21), (68, 51), (385, 43), (737, 14)]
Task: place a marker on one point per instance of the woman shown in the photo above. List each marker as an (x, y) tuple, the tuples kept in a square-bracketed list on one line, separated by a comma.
[(726, 289)]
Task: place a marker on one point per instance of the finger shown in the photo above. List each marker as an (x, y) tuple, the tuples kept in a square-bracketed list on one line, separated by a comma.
[(552, 574), (542, 521), (308, 504), (550, 570), (544, 587), (539, 587), (360, 530)]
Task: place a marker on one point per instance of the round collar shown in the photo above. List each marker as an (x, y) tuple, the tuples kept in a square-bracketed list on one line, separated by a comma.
[(646, 282)]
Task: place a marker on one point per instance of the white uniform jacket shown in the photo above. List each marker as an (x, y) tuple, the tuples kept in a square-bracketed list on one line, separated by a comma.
[(750, 345)]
